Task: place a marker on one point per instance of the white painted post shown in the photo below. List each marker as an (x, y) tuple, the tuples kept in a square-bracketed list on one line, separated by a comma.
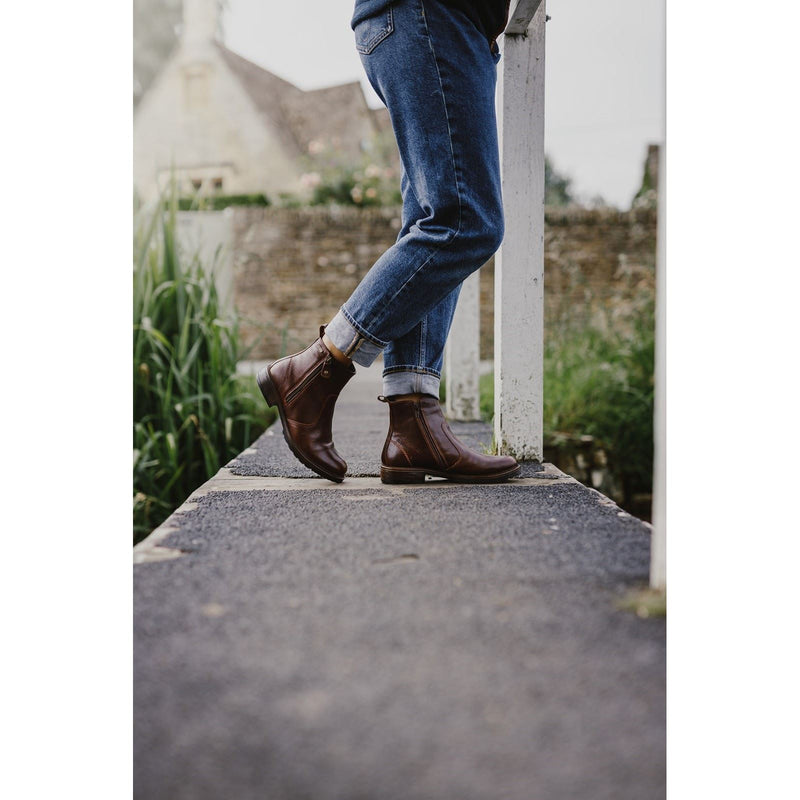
[(658, 543), (519, 264), (462, 355)]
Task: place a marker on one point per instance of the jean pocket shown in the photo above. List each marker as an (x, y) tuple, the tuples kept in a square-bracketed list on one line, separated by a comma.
[(372, 31)]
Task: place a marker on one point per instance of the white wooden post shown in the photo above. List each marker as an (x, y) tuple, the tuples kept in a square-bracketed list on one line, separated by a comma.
[(462, 354), (519, 264), (658, 543)]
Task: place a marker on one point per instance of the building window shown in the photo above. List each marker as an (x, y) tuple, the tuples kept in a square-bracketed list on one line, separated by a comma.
[(216, 183), (197, 184)]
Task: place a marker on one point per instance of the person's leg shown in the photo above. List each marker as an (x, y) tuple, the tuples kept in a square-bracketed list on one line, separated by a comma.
[(413, 363), (436, 74)]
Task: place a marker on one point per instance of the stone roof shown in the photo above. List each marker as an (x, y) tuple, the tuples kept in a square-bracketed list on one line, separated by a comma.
[(338, 114)]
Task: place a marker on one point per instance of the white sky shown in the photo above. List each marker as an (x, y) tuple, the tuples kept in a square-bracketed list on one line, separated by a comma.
[(604, 75)]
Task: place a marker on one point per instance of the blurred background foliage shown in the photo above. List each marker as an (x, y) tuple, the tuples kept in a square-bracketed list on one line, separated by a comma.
[(599, 398), (598, 382), (332, 176)]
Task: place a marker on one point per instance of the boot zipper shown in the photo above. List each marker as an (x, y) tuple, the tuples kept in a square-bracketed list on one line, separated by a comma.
[(323, 369), (429, 437)]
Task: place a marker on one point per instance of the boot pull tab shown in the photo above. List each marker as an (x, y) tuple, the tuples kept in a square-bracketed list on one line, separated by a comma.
[(382, 399)]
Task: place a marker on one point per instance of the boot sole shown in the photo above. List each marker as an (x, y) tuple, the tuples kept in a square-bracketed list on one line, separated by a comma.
[(272, 397), (412, 475)]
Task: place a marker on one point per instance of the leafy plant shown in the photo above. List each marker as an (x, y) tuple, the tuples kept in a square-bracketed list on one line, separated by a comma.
[(192, 413), (334, 176), (598, 381), (219, 201), (557, 187)]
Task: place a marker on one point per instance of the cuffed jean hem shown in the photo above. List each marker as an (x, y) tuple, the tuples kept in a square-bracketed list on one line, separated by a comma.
[(408, 382), (352, 341)]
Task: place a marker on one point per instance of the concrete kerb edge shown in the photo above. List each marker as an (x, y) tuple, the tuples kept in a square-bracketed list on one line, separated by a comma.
[(151, 550)]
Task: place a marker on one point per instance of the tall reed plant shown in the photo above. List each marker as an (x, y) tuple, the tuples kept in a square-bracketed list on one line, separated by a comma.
[(191, 412)]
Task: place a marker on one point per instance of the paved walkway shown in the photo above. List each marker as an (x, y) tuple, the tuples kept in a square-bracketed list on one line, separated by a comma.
[(299, 639)]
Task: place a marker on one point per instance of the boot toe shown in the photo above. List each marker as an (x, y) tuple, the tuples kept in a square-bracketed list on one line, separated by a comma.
[(332, 463), (326, 462), (499, 467), (504, 463)]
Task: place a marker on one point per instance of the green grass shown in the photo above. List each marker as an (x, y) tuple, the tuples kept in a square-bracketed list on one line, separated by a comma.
[(192, 413)]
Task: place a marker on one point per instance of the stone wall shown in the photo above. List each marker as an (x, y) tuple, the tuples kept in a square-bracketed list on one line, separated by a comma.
[(294, 267), (596, 262)]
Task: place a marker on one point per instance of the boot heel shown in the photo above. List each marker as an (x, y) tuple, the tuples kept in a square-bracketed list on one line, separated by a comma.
[(389, 475), (267, 388)]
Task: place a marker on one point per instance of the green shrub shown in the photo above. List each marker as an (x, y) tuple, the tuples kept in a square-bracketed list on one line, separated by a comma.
[(598, 381), (334, 176), (191, 412), (220, 201)]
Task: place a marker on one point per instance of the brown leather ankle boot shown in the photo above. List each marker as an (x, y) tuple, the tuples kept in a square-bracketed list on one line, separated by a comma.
[(304, 387), (421, 443)]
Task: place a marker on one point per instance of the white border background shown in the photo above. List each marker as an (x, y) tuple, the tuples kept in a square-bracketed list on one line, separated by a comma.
[(732, 402)]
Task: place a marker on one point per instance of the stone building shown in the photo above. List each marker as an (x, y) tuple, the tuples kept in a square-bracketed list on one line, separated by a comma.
[(225, 125)]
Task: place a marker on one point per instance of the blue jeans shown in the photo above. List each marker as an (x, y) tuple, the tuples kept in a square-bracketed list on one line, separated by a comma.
[(436, 74)]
